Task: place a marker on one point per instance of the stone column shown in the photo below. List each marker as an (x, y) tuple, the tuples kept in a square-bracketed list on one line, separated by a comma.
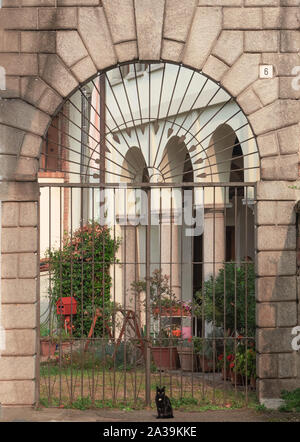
[(213, 242), (170, 255), (19, 282), (278, 365)]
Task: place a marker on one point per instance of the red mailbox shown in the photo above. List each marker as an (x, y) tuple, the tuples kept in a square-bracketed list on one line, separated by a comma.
[(67, 306)]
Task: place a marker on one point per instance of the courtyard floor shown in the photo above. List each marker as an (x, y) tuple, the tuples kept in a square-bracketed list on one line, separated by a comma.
[(104, 415)]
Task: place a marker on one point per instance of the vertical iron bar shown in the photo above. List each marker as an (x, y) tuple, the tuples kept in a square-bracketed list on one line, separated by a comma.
[(148, 317)]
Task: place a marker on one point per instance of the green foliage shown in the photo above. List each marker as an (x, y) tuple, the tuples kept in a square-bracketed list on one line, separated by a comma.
[(232, 285), (81, 269), (292, 401), (161, 294), (244, 357)]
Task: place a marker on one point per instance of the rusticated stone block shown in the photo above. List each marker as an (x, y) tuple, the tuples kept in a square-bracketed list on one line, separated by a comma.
[(19, 316), (242, 74), (126, 51), (275, 191), (287, 365), (178, 19), (50, 101), (70, 47), (84, 69), (272, 388), (281, 288), (10, 214), (17, 392), (18, 367), (19, 342), (276, 263), (19, 64), (275, 116), (280, 168), (93, 29), (261, 41), (290, 41), (276, 314), (19, 291), (268, 145), (149, 25), (267, 91), (10, 140), (120, 17), (54, 73), (14, 191), (18, 18), (289, 139), (276, 213), (274, 340), (266, 315), (9, 41), (249, 102), (57, 18), (202, 36), (286, 314), (26, 169), (16, 239), (287, 89), (27, 265), (229, 46), (172, 51), (42, 41), (283, 63), (22, 115), (261, 2), (9, 267), (31, 146), (267, 365), (241, 18), (215, 68)]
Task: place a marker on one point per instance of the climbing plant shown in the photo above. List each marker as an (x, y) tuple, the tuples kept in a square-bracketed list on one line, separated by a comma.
[(80, 268)]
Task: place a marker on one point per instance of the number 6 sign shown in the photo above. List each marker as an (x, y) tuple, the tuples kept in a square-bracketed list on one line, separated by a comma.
[(266, 71)]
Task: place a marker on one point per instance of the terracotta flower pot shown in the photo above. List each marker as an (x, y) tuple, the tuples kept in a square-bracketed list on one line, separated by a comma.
[(227, 374), (170, 311), (47, 347), (165, 358), (206, 365), (236, 378), (188, 359)]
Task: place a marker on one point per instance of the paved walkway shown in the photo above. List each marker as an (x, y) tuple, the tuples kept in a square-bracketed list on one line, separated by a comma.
[(108, 415)]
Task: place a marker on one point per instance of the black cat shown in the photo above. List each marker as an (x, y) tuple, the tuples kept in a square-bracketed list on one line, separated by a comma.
[(163, 404)]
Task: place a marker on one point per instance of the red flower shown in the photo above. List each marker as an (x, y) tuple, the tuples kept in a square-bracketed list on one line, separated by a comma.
[(230, 357), (190, 339), (220, 357), (231, 365)]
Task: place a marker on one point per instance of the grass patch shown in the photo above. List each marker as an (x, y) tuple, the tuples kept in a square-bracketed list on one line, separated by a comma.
[(292, 401)]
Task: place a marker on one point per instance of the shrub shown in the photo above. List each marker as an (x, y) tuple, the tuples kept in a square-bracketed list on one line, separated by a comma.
[(81, 269), (232, 283)]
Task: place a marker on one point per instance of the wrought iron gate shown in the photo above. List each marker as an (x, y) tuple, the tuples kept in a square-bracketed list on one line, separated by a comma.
[(143, 298), (147, 184)]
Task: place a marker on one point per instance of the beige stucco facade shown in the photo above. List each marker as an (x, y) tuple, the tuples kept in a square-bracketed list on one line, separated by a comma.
[(49, 47)]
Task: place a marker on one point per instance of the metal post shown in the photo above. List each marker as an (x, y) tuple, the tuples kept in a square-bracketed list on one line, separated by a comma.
[(148, 317)]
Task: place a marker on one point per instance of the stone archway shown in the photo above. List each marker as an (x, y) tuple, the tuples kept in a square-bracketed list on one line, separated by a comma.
[(62, 47)]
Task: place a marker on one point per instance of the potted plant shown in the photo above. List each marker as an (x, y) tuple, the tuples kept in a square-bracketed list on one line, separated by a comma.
[(187, 355), (162, 299), (246, 365), (164, 351), (47, 342)]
